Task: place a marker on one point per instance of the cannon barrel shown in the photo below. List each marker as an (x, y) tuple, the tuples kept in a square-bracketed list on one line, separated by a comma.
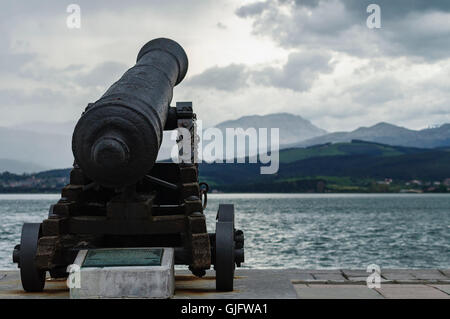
[(117, 139)]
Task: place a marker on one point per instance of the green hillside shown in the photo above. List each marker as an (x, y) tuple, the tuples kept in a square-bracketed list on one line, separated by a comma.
[(356, 147), (355, 166)]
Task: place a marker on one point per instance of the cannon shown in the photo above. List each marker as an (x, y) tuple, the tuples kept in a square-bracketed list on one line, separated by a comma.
[(119, 196)]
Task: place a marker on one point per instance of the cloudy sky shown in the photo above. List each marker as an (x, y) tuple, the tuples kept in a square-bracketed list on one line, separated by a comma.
[(314, 58)]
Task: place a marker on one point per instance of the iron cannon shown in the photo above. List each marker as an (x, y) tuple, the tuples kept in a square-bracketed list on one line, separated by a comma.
[(119, 196), (117, 139)]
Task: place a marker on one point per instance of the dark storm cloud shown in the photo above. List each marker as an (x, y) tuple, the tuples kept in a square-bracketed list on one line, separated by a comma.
[(298, 74), (392, 9), (306, 3), (395, 9), (377, 91), (251, 9), (409, 28), (229, 78)]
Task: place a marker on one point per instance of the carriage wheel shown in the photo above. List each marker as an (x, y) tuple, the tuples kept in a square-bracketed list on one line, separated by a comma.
[(33, 279), (225, 256)]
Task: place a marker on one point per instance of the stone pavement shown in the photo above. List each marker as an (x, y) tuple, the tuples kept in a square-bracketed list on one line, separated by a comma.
[(281, 284)]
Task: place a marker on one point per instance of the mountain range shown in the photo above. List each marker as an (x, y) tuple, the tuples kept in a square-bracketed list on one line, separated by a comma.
[(292, 128), (36, 146), (386, 133)]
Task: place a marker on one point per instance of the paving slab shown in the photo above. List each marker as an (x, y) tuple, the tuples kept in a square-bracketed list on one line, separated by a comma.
[(446, 272), (411, 291), (443, 288), (355, 272), (414, 275), (322, 271), (303, 277), (334, 277), (360, 276), (428, 274), (11, 288), (248, 284), (329, 291), (357, 280), (397, 274)]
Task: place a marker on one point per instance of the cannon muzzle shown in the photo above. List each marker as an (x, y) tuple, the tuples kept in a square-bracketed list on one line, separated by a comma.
[(117, 139)]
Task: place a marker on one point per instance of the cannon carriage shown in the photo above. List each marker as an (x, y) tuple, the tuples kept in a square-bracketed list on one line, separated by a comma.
[(119, 196)]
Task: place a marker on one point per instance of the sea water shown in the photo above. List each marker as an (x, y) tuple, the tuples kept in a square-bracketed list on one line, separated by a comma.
[(302, 230)]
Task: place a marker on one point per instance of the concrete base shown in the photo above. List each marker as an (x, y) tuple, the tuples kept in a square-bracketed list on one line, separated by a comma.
[(125, 281)]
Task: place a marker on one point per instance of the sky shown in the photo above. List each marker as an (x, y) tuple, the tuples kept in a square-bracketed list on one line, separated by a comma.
[(313, 58)]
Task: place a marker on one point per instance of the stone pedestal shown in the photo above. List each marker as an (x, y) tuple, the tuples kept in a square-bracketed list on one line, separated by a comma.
[(123, 273)]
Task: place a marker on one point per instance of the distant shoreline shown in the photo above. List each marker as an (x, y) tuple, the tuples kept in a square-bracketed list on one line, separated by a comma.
[(274, 193), (354, 167)]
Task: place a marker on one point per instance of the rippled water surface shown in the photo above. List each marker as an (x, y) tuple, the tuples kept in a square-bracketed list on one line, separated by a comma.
[(302, 230)]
